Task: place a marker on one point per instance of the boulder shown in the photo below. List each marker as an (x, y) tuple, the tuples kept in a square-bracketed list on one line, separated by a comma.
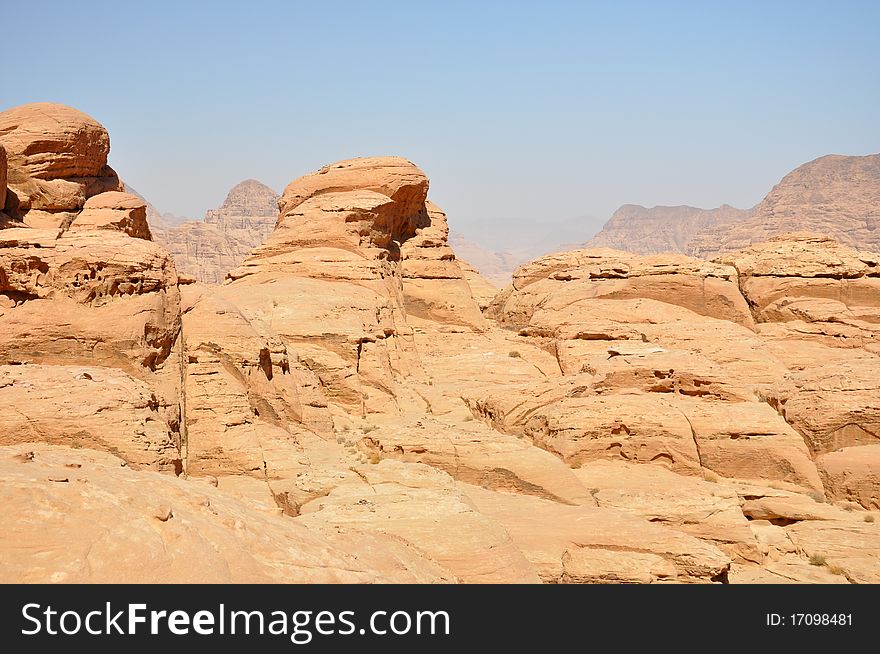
[(57, 159), (114, 210)]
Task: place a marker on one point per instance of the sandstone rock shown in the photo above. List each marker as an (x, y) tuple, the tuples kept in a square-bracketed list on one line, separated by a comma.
[(57, 159), (122, 212), (749, 440), (661, 229), (834, 194), (594, 545), (393, 177), (87, 297), (621, 419), (422, 507), (813, 279), (853, 473), (84, 518), (707, 289), (790, 570), (833, 405), (789, 508), (709, 511), (86, 406), (338, 243), (247, 395), (2, 178), (630, 427), (850, 547), (434, 286), (474, 454), (483, 290)]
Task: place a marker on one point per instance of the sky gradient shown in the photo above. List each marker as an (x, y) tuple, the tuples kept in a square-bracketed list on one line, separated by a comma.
[(533, 121)]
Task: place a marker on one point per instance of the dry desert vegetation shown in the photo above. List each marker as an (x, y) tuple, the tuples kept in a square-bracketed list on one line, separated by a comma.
[(313, 388)]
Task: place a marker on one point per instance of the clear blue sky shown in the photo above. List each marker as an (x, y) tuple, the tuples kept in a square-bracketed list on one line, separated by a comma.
[(533, 120)]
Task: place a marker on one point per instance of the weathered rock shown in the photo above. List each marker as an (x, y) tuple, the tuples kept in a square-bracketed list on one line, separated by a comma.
[(84, 517), (393, 177), (57, 159), (634, 427), (434, 286), (86, 406), (583, 544), (804, 278), (848, 547), (749, 440), (114, 210), (247, 396), (338, 245), (88, 297), (2, 178), (423, 507), (834, 194), (704, 288), (709, 511), (833, 405), (853, 473), (474, 454)]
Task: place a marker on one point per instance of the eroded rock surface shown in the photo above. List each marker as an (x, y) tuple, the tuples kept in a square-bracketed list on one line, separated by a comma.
[(350, 405)]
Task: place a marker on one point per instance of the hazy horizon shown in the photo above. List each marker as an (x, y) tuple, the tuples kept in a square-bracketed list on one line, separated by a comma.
[(533, 123)]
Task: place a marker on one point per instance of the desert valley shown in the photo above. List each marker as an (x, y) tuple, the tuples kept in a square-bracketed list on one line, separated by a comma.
[(314, 387)]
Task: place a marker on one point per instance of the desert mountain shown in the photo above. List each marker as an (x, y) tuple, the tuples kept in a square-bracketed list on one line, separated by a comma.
[(662, 229), (206, 250), (341, 410), (834, 195)]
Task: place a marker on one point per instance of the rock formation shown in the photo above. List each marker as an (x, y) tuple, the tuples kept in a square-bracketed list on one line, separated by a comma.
[(833, 195), (207, 250), (341, 410), (56, 159), (661, 229), (114, 210)]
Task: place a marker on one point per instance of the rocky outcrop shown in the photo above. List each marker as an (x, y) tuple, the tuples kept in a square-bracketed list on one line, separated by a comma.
[(645, 386), (207, 250), (336, 232), (57, 159), (93, 407), (434, 284), (833, 404), (705, 288), (114, 210), (3, 174), (834, 195), (803, 286), (657, 230), (339, 410)]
